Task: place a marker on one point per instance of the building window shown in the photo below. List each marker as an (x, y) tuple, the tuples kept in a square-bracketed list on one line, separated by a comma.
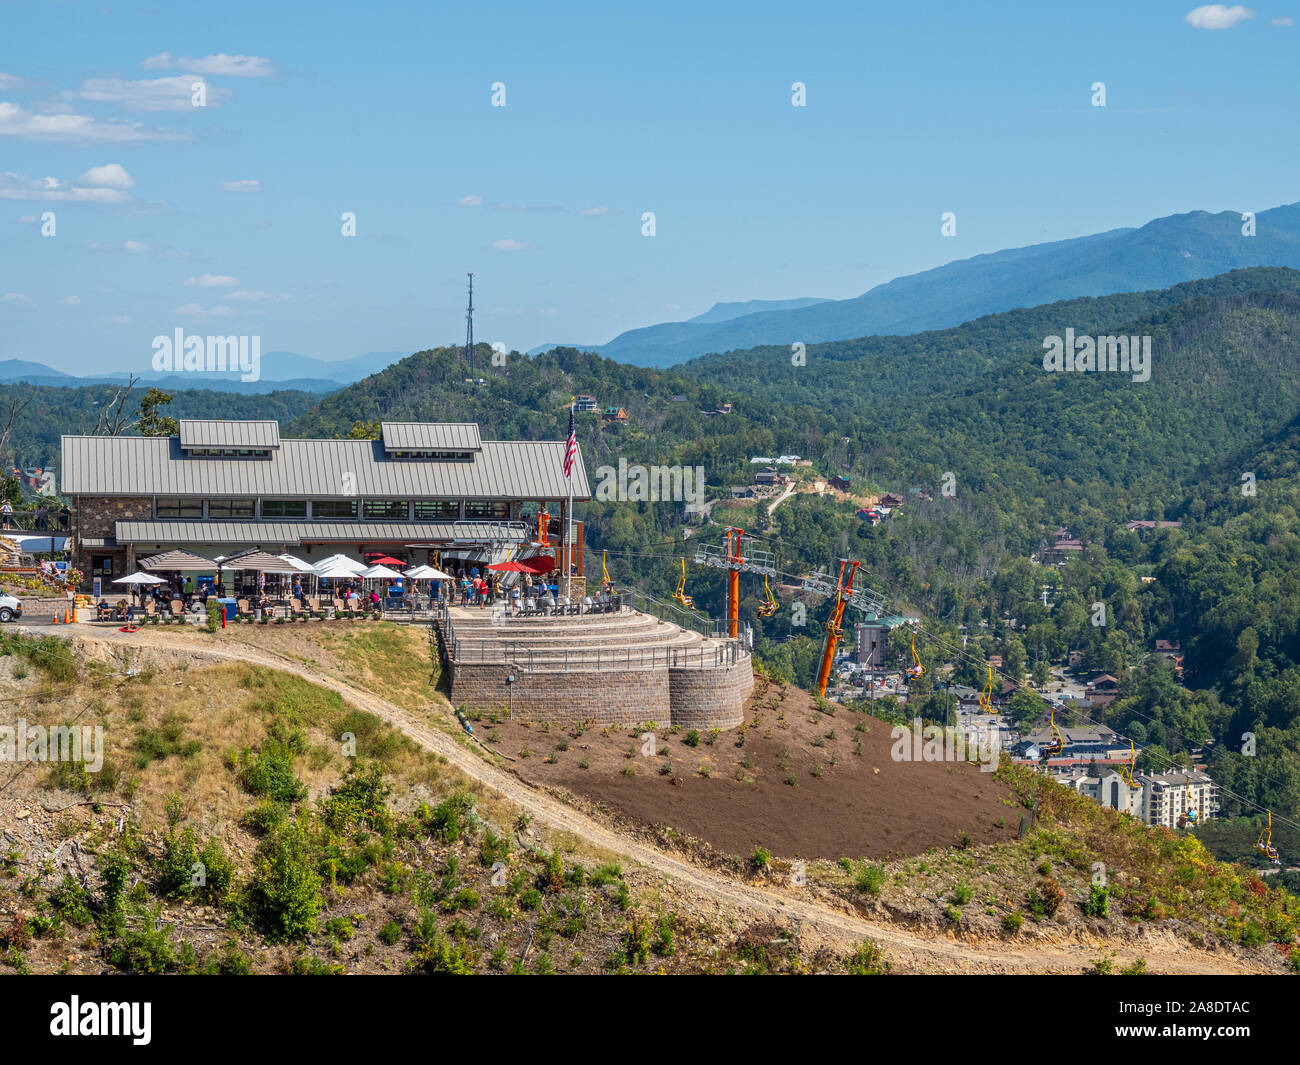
[(436, 510), (101, 565), (232, 508), (284, 508), (179, 508), (334, 508), (387, 509), (487, 510)]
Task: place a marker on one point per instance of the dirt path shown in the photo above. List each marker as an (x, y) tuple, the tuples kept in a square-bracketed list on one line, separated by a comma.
[(907, 949)]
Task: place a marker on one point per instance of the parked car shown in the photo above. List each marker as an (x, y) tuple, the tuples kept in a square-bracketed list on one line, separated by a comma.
[(10, 608)]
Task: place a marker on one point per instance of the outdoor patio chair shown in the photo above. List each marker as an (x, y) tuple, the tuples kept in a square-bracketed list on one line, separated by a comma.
[(177, 608)]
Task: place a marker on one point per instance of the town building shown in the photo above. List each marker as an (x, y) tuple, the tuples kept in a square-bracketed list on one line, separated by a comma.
[(219, 487)]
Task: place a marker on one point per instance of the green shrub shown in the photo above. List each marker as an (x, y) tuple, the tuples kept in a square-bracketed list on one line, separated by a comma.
[(452, 817), (1046, 899), (359, 800), (1098, 903), (269, 773), (390, 933), (963, 894), (870, 879), (285, 891), (867, 960), (1013, 921), (760, 858)]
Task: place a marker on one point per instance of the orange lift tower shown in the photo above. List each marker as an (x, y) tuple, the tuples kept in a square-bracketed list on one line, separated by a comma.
[(843, 593), (731, 556)]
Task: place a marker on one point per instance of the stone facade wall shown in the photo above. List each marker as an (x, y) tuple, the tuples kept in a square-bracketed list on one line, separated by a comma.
[(624, 697), (693, 698), (711, 698), (97, 517)]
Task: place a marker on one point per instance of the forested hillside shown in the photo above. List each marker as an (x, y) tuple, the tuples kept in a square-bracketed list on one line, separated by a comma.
[(1028, 450), (48, 412)]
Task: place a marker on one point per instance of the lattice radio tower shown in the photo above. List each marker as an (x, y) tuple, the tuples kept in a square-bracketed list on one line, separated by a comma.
[(469, 328)]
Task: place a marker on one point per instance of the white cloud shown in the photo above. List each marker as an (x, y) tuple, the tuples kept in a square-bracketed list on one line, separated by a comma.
[(470, 201), (253, 296), (510, 244), (596, 212), (135, 247), (243, 185), (197, 310), (16, 187), (153, 94), (11, 81), (14, 297), (231, 66), (28, 220), (1217, 16), (71, 301), (69, 126), (1285, 20), (212, 281), (119, 319), (108, 176)]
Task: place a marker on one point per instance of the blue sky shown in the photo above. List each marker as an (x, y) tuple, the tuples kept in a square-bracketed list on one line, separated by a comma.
[(226, 219)]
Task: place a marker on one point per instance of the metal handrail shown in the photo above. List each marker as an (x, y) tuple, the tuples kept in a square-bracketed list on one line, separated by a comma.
[(500, 652)]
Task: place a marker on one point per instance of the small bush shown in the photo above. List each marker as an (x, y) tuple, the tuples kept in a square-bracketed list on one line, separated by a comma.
[(867, 960)]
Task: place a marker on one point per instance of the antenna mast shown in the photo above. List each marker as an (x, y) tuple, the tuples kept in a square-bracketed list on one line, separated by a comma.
[(469, 328)]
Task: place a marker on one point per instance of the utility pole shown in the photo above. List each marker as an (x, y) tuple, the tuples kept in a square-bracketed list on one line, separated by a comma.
[(469, 330)]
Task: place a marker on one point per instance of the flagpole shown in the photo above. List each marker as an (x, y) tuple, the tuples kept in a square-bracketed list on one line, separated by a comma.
[(568, 554)]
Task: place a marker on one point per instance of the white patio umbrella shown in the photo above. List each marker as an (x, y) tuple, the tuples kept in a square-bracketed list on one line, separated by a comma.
[(139, 578), (303, 567), (334, 571), (429, 573), (334, 561), (381, 572)]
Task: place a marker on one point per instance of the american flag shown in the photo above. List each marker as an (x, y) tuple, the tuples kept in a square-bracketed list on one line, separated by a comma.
[(570, 448)]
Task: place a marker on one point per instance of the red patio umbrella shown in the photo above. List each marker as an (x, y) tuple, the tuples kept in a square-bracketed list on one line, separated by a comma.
[(387, 560)]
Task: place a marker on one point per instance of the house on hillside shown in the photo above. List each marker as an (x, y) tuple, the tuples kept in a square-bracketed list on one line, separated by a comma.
[(869, 514), (1172, 651), (615, 414), (586, 404), (840, 484), (1065, 545), (890, 500)]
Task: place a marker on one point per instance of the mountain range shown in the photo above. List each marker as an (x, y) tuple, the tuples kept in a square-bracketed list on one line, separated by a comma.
[(1160, 254)]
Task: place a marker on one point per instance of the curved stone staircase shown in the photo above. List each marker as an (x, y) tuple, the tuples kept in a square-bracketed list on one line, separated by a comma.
[(625, 667)]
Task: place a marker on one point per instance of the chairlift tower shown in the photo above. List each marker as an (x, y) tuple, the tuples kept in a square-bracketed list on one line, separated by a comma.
[(736, 555), (842, 590)]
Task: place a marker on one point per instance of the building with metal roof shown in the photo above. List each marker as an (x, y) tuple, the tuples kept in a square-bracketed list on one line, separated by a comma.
[(222, 487)]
